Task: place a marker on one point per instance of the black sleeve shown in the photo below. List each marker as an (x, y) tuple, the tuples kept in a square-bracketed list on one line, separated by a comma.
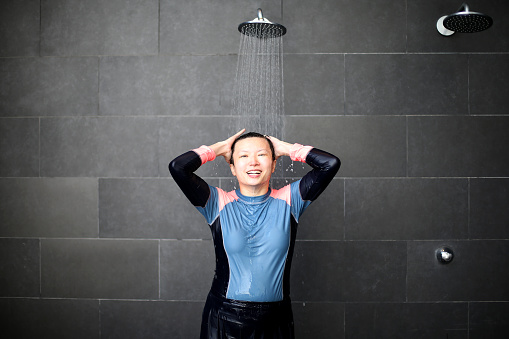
[(182, 170), (325, 166)]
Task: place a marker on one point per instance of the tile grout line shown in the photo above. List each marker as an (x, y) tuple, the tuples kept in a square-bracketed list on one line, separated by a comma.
[(159, 269), (40, 27), (40, 176), (159, 28), (468, 208), (468, 86), (40, 268)]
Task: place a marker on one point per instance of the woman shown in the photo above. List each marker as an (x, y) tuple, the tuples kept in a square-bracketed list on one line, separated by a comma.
[(254, 230)]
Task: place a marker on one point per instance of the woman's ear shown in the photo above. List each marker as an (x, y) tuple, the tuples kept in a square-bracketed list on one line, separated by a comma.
[(232, 168), (274, 166)]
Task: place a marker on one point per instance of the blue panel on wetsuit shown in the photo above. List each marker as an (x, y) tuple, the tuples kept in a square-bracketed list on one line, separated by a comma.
[(256, 233)]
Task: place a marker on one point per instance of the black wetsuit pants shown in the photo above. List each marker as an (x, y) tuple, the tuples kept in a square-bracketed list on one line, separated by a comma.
[(227, 319)]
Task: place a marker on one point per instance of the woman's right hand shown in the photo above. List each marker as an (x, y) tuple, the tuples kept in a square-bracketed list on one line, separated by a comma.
[(224, 148)]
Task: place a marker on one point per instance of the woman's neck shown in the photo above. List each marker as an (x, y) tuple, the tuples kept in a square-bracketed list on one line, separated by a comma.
[(250, 191)]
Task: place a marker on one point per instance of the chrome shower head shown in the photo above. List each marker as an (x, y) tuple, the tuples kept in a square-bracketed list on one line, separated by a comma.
[(260, 27), (463, 21)]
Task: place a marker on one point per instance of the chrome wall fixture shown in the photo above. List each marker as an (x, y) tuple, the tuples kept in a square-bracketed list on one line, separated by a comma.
[(463, 21), (444, 255)]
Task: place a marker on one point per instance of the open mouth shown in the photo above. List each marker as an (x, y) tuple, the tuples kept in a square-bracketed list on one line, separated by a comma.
[(254, 173)]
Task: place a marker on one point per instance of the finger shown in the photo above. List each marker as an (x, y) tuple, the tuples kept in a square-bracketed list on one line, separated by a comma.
[(236, 135)]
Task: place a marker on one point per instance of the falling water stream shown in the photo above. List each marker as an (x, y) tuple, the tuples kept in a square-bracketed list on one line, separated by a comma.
[(258, 103)]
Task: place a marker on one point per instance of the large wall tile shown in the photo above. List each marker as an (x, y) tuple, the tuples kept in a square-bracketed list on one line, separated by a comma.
[(351, 271), (488, 320), (488, 84), (19, 28), (477, 272), (423, 35), (167, 85), (374, 271), (108, 147), (45, 318), (399, 209), (48, 207), (95, 27), (317, 272), (204, 27), (48, 86), (402, 320), (319, 320), (19, 147), (406, 84), (458, 146), (366, 146), (150, 319), (186, 264), (331, 26), (489, 215), (127, 146), (148, 208), (86, 268), (314, 84), (324, 218), (19, 268)]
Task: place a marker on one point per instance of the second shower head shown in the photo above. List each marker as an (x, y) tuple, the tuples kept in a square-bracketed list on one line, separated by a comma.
[(463, 21)]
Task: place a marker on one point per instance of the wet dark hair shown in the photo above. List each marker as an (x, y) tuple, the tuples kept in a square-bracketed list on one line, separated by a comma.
[(253, 135)]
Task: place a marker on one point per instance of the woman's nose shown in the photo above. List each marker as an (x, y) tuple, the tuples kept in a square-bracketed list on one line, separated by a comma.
[(253, 160)]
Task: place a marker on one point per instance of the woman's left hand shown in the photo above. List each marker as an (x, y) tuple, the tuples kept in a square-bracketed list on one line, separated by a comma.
[(281, 148)]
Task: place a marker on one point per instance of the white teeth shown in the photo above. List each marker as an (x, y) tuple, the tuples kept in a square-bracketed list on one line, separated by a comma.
[(254, 172)]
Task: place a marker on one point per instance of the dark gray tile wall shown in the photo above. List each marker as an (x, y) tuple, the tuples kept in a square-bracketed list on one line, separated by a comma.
[(184, 264), (94, 268), (434, 209), (489, 214), (488, 90), (19, 28), (477, 272), (314, 84), (406, 320), (166, 85), (49, 86), (19, 147), (487, 320), (19, 267), (132, 208), (406, 84), (203, 27), (50, 318), (319, 320), (150, 319), (96, 98), (470, 146), (367, 146), (116, 27), (48, 207), (331, 26)]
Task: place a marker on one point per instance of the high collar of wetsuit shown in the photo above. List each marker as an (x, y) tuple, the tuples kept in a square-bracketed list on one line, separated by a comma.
[(253, 200)]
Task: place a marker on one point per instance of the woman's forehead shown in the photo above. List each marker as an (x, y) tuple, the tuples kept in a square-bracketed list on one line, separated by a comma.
[(252, 143)]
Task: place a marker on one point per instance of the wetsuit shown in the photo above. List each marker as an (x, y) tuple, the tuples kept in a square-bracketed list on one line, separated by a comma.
[(254, 239)]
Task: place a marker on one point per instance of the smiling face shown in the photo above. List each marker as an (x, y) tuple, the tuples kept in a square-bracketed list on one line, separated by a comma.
[(253, 165)]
